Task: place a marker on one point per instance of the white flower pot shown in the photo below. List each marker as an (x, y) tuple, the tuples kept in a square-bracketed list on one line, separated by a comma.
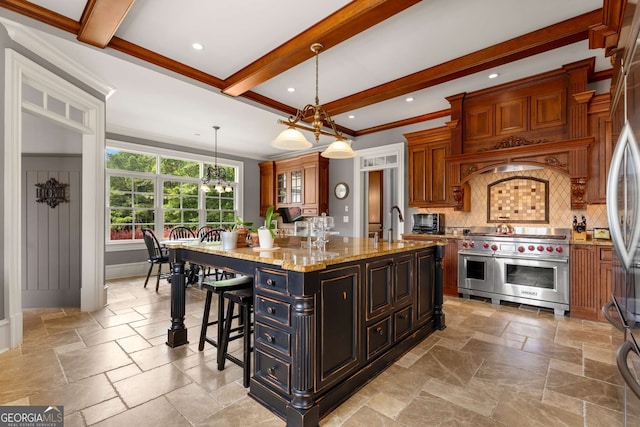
[(229, 240), (265, 238)]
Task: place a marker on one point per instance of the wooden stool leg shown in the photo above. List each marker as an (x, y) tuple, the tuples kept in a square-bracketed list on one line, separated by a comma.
[(221, 324), (247, 346), (224, 344), (205, 320)]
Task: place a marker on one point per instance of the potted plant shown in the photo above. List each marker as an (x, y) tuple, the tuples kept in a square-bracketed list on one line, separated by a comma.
[(266, 233), (242, 228), (253, 236)]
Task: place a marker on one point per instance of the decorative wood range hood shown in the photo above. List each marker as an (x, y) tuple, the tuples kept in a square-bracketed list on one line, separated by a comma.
[(538, 121)]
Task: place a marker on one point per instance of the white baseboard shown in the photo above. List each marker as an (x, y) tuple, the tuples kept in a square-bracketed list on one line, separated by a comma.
[(5, 339), (120, 271)]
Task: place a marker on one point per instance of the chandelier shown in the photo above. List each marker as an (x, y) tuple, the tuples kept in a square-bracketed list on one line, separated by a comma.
[(292, 139), (216, 173)]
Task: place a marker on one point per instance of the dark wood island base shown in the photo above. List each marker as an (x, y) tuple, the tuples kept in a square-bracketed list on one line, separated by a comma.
[(326, 323)]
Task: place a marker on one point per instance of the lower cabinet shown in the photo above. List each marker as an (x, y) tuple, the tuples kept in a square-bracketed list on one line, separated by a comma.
[(449, 262), (591, 280)]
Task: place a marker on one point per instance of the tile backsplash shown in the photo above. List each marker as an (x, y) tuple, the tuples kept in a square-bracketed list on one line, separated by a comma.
[(560, 213)]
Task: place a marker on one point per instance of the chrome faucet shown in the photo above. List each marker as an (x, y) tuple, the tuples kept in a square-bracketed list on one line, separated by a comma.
[(400, 218)]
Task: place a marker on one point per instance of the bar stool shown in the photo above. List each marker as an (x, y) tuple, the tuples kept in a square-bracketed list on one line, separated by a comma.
[(220, 287), (244, 299)]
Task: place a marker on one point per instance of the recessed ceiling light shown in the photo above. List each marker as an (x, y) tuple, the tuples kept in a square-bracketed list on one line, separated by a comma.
[(493, 75), (291, 89), (352, 116), (196, 134), (197, 46), (409, 99)]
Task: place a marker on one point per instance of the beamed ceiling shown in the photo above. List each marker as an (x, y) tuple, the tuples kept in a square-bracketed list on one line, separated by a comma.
[(376, 54)]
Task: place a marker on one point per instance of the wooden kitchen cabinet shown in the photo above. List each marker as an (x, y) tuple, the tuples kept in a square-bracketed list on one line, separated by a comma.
[(601, 150), (428, 183), (301, 181), (606, 278), (449, 261), (591, 280), (267, 186)]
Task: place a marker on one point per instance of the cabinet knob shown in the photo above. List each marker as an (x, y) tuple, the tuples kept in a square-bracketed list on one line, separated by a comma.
[(379, 330), (269, 338), (404, 316), (272, 372), (271, 310), (271, 282)]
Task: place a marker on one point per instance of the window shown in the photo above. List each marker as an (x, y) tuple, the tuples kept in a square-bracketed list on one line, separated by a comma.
[(161, 191)]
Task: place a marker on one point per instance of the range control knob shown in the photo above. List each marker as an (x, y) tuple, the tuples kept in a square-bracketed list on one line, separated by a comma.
[(549, 249), (471, 244), (531, 247), (494, 247), (485, 245), (520, 248), (559, 249), (464, 244), (540, 248)]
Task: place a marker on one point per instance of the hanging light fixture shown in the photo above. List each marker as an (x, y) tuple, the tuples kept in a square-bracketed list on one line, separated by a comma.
[(292, 139), (215, 173)]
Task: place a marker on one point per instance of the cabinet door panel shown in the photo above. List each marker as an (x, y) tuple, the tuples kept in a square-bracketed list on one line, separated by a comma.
[(417, 175), (338, 325), (378, 286), (548, 109), (425, 286), (403, 283), (438, 188), (511, 116)]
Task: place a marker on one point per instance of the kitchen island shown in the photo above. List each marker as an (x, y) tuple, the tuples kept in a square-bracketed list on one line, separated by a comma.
[(326, 322)]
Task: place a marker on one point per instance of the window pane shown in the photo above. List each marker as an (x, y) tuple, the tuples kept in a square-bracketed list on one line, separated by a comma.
[(191, 217), (120, 183), (134, 162), (144, 201), (143, 185), (178, 167), (190, 202), (119, 200)]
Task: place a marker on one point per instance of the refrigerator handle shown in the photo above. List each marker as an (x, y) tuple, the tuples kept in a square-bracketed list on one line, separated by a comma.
[(621, 361), (606, 312)]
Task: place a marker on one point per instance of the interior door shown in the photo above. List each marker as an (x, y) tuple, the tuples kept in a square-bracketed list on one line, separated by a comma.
[(51, 259), (376, 203)]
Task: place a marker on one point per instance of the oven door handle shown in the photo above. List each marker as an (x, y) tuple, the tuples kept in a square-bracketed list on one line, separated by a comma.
[(560, 260), (475, 254)]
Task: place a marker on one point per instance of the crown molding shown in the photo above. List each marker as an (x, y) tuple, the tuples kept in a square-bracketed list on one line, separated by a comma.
[(29, 39)]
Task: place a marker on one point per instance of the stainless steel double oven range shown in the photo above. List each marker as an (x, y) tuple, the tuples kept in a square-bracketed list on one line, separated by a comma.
[(529, 266)]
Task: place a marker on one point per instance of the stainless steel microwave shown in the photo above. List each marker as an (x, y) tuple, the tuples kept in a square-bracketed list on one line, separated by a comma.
[(428, 223)]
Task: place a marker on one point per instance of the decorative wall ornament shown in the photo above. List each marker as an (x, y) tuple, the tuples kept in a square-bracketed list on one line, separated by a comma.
[(553, 161), (52, 193), (578, 188), (458, 197), (521, 199), (514, 141)]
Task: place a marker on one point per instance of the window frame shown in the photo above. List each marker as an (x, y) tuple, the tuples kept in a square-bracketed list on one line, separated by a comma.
[(159, 179)]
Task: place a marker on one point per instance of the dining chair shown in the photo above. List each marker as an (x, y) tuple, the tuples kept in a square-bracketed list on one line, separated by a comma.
[(181, 232), (158, 255), (211, 235)]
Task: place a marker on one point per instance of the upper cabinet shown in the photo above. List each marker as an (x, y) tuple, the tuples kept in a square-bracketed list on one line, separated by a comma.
[(301, 181), (428, 182)]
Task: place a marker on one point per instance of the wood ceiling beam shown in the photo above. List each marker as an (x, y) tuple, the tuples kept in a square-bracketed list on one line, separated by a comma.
[(352, 19), (405, 122), (41, 14), (605, 34), (100, 20), (552, 37)]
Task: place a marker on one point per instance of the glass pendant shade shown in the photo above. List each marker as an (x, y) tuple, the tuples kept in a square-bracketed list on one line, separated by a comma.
[(291, 139), (339, 149), (205, 188)]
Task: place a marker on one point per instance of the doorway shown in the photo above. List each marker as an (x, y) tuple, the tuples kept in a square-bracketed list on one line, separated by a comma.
[(31, 88), (387, 165)]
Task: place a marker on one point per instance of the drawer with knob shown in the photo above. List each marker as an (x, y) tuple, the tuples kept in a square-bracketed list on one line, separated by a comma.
[(378, 337), (272, 280), (402, 322), (273, 310), (273, 338), (273, 371)]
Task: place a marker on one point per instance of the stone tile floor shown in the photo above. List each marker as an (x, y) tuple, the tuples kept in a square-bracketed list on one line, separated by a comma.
[(492, 365)]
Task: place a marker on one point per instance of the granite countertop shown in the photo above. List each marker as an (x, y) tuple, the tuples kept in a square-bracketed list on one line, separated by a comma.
[(289, 254), (422, 236), (592, 241)]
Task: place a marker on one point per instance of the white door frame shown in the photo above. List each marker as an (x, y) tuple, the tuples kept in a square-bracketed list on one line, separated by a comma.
[(19, 69), (358, 184)]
